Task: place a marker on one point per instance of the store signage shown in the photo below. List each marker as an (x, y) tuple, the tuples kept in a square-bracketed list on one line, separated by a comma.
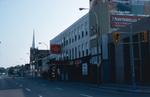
[(55, 49), (123, 20)]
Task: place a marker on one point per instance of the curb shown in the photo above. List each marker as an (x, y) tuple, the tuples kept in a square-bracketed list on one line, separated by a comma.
[(127, 90)]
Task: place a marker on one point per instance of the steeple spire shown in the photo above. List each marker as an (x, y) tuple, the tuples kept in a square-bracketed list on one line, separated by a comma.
[(33, 41)]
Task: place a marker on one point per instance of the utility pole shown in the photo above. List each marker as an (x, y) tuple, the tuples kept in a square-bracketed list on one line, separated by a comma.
[(132, 56)]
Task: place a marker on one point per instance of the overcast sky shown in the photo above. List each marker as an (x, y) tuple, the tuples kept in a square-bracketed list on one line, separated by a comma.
[(18, 18)]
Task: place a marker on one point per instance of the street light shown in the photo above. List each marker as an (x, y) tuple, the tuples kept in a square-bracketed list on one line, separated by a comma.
[(44, 44)]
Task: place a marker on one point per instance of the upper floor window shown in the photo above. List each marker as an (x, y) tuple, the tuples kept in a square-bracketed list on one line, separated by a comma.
[(87, 53), (78, 36), (69, 40), (86, 33), (72, 40), (75, 52), (82, 34), (66, 42), (75, 37)]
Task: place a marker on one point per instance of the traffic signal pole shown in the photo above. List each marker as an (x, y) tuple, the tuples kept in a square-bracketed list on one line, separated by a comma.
[(132, 56)]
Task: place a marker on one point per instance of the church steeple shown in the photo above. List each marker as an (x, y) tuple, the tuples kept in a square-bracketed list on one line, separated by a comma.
[(33, 41)]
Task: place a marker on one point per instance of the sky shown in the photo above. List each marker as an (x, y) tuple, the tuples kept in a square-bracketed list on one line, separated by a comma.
[(18, 19)]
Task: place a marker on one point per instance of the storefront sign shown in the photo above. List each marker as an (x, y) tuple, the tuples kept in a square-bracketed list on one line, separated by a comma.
[(118, 21), (55, 49)]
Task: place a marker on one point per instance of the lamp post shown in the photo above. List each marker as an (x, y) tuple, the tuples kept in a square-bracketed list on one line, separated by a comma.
[(97, 39)]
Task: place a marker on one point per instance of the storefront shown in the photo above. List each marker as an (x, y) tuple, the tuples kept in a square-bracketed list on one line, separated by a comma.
[(129, 58)]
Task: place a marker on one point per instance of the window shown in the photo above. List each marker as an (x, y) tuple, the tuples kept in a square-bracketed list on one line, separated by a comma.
[(79, 37), (75, 52), (83, 53), (66, 54), (86, 45), (86, 33), (69, 40), (72, 53), (79, 54), (79, 50), (75, 38), (87, 52), (82, 34), (66, 42), (72, 40)]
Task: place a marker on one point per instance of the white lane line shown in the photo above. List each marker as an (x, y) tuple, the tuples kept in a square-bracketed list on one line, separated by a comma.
[(20, 85), (59, 89), (43, 84), (85, 95), (27, 89), (40, 95)]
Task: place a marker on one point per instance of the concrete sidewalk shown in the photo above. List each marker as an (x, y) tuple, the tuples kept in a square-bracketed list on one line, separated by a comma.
[(110, 87), (115, 87), (12, 93), (126, 88)]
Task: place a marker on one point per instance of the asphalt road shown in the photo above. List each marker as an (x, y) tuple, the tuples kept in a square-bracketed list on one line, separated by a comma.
[(25, 87)]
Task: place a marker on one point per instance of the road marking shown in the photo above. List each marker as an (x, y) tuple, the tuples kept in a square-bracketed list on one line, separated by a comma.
[(43, 84), (40, 95), (27, 89), (20, 85), (59, 89), (85, 95)]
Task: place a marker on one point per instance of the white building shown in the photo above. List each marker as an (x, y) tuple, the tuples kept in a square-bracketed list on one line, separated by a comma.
[(74, 40)]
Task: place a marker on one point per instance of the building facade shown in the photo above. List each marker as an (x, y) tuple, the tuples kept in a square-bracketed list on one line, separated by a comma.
[(74, 40), (36, 57), (88, 52), (129, 58), (100, 23), (75, 49)]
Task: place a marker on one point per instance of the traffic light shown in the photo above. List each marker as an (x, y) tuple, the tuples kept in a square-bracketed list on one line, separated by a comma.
[(144, 36), (116, 37)]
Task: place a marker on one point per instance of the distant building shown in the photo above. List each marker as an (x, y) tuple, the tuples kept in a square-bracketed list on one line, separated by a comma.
[(36, 57)]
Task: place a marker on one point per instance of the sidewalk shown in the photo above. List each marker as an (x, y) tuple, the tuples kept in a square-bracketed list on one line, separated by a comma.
[(111, 87), (115, 87), (126, 88)]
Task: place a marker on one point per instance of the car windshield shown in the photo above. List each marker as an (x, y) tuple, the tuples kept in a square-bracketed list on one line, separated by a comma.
[(74, 48)]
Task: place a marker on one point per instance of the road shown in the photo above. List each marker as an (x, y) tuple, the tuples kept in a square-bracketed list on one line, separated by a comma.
[(25, 87)]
